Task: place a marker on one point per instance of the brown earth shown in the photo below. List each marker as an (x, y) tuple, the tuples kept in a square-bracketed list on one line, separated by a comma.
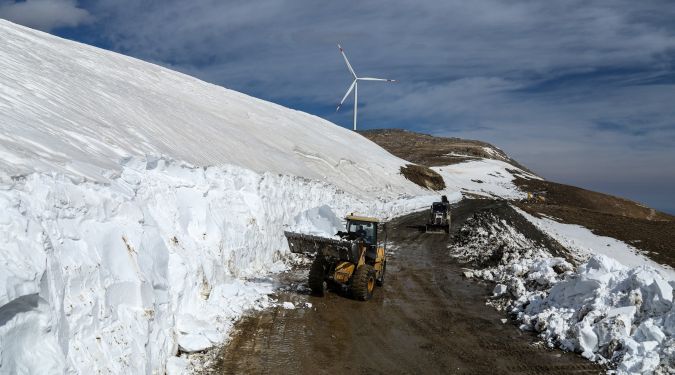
[(433, 151), (645, 228), (556, 194), (642, 227), (423, 176), (426, 319)]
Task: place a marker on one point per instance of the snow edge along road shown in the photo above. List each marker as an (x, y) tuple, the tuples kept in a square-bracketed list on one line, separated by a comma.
[(613, 314), (119, 277)]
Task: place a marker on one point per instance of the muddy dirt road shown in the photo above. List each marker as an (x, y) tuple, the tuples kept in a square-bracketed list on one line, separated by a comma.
[(427, 319)]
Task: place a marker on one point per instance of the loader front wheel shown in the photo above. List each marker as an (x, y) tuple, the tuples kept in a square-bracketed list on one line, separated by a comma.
[(363, 282), (317, 276), (380, 281)]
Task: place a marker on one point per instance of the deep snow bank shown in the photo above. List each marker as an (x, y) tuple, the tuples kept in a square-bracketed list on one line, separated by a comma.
[(608, 312), (116, 277)]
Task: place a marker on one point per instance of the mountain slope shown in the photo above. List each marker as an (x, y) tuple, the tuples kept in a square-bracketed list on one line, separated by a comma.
[(606, 215), (77, 109), (433, 151)]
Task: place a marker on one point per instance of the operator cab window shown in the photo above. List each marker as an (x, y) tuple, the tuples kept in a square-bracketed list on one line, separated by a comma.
[(363, 228)]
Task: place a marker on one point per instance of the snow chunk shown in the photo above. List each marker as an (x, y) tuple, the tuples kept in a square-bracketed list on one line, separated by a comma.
[(648, 331), (320, 221), (499, 290), (177, 366), (193, 343), (288, 306)]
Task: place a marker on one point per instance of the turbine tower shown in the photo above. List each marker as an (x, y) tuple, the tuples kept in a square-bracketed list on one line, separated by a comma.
[(355, 85)]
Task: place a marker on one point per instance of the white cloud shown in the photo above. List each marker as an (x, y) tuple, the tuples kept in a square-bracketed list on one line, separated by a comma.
[(45, 15)]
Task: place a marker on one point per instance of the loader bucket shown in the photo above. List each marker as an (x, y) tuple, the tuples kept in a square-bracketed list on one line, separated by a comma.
[(437, 229), (344, 250)]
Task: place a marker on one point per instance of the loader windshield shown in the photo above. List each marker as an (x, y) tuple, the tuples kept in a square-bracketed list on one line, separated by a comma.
[(364, 229)]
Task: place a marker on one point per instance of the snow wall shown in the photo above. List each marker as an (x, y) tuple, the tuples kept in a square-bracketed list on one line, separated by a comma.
[(118, 277)]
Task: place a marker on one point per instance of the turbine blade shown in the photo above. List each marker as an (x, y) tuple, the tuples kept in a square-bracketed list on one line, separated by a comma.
[(346, 95), (376, 79), (349, 66)]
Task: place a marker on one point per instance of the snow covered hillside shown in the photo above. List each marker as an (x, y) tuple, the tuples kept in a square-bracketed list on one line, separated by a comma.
[(585, 243), (140, 207), (487, 178), (75, 109)]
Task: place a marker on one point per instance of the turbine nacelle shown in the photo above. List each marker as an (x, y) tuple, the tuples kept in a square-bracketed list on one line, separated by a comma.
[(354, 86)]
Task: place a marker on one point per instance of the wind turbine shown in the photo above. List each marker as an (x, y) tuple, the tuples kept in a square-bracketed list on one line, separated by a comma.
[(355, 85)]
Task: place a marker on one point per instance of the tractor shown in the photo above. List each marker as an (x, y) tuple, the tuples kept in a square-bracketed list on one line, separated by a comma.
[(355, 262)]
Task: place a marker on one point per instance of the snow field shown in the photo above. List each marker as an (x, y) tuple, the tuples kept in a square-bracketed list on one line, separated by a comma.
[(485, 177), (116, 278), (609, 312), (585, 243), (78, 110)]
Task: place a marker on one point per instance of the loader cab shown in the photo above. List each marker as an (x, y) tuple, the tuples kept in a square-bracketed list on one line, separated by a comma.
[(439, 207), (363, 226)]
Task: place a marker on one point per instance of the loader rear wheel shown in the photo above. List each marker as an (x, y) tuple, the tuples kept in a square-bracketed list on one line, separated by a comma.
[(363, 282), (317, 276)]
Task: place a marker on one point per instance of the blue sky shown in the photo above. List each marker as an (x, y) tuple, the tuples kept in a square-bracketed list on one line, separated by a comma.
[(582, 92)]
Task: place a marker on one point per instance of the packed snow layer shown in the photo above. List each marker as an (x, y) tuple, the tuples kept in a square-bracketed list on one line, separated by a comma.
[(78, 110), (484, 177), (586, 243), (608, 312), (117, 277)]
